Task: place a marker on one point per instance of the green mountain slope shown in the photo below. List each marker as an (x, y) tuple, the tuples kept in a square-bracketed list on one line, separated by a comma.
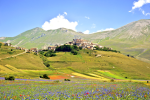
[(89, 64), (39, 38), (132, 39)]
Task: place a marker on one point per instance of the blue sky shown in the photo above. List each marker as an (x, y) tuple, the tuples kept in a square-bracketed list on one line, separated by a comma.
[(88, 16)]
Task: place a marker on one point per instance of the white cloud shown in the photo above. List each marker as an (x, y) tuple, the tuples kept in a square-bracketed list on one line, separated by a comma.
[(93, 25), (87, 17), (59, 22), (139, 4), (147, 14), (65, 13), (86, 32), (143, 12), (107, 29)]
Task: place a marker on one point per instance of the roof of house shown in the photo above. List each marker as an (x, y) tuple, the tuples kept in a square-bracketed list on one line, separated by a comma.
[(33, 49)]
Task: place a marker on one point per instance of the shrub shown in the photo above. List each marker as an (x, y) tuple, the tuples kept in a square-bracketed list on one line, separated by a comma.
[(10, 78), (46, 76), (132, 56), (66, 79), (49, 53), (112, 80), (147, 81), (47, 64), (35, 53), (0, 45), (10, 52), (80, 48), (126, 77), (74, 52)]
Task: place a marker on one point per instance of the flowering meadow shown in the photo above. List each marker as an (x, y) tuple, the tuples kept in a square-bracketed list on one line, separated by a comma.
[(72, 90)]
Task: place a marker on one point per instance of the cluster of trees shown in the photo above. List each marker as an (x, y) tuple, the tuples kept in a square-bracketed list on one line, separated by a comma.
[(106, 49), (67, 80), (68, 48), (10, 78), (49, 53), (45, 76), (45, 60)]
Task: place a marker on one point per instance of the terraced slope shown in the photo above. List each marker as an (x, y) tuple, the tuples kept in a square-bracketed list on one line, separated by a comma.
[(109, 65)]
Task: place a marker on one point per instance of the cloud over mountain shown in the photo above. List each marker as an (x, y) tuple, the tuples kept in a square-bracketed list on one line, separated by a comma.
[(86, 32), (139, 4), (59, 22), (107, 29)]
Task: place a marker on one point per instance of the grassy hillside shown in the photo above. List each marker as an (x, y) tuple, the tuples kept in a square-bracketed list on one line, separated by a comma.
[(39, 38), (88, 64), (23, 65), (7, 51)]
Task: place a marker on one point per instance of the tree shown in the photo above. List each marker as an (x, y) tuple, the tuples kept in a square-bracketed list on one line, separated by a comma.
[(47, 64), (80, 48), (0, 45)]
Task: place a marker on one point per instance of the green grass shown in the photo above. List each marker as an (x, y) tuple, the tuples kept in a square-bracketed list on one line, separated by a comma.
[(5, 51), (25, 61), (115, 65), (132, 48), (110, 75), (120, 65)]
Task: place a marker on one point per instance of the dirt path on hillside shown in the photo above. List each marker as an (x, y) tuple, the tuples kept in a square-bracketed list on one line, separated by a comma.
[(141, 53), (13, 56)]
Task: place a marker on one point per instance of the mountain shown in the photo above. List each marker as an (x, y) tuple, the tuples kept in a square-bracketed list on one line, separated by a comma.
[(39, 38), (132, 39)]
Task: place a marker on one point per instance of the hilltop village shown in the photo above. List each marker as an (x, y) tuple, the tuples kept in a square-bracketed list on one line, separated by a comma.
[(85, 44)]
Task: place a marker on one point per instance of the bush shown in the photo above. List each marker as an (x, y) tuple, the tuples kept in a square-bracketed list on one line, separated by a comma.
[(45, 76), (47, 64), (0, 45), (10, 52), (66, 79), (49, 53), (74, 52), (112, 80), (10, 78), (80, 48)]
